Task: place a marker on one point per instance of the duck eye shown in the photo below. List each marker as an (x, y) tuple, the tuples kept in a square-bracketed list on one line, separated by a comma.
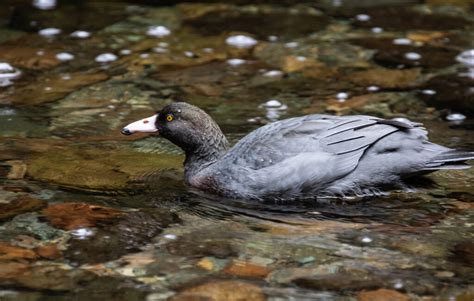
[(169, 117)]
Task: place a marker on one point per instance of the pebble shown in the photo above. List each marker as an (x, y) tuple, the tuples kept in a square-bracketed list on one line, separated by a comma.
[(105, 58), (158, 31), (241, 41)]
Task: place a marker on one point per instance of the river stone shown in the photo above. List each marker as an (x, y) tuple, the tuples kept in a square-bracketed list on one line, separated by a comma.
[(453, 92), (221, 290)]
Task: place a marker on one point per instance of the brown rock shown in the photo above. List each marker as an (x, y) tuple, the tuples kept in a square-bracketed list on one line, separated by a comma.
[(222, 291), (20, 205), (69, 216), (17, 169), (246, 269), (382, 295), (50, 251), (206, 264), (49, 88), (346, 280), (9, 270), (9, 252), (294, 63), (386, 78), (27, 57)]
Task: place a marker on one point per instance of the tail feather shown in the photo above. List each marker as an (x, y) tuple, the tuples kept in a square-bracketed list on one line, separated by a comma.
[(451, 159), (454, 156)]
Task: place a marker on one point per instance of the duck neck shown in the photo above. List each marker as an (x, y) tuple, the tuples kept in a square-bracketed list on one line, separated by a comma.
[(204, 154)]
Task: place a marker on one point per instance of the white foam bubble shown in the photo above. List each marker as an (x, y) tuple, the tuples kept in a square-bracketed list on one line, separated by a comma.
[(189, 54), (236, 62), (7, 73), (158, 31), (292, 44), (170, 236), (373, 88), (45, 4), (455, 117), (82, 233), (272, 38), (466, 58), (273, 73), (412, 56), (402, 41), (428, 92), (48, 32), (160, 50), (241, 41), (342, 95), (105, 58), (363, 17), (273, 103), (64, 56), (81, 34), (377, 29)]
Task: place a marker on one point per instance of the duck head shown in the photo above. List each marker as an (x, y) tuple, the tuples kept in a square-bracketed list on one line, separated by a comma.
[(190, 128)]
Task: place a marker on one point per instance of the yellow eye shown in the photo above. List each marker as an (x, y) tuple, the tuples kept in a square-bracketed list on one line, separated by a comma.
[(169, 118)]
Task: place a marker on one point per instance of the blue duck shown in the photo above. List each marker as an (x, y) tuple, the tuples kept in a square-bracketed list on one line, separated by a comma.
[(308, 156)]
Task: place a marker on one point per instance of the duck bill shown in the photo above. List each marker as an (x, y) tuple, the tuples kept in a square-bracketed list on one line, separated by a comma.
[(146, 125)]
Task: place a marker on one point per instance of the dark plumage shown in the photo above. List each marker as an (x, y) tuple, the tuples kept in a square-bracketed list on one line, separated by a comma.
[(313, 155)]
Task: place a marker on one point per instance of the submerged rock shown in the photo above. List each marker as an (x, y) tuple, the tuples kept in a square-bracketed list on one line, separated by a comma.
[(464, 252), (69, 216), (20, 205), (403, 18), (342, 280), (382, 294), (50, 88), (115, 238), (392, 53), (260, 21), (386, 78), (453, 92), (221, 290)]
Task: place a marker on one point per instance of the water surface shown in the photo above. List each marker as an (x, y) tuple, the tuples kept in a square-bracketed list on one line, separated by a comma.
[(89, 214)]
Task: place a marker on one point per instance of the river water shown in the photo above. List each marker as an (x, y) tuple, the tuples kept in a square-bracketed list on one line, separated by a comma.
[(89, 214)]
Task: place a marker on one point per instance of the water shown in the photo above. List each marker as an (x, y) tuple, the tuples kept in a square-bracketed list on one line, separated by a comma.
[(90, 214)]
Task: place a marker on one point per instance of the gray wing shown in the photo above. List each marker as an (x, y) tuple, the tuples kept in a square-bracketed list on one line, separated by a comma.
[(309, 151)]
